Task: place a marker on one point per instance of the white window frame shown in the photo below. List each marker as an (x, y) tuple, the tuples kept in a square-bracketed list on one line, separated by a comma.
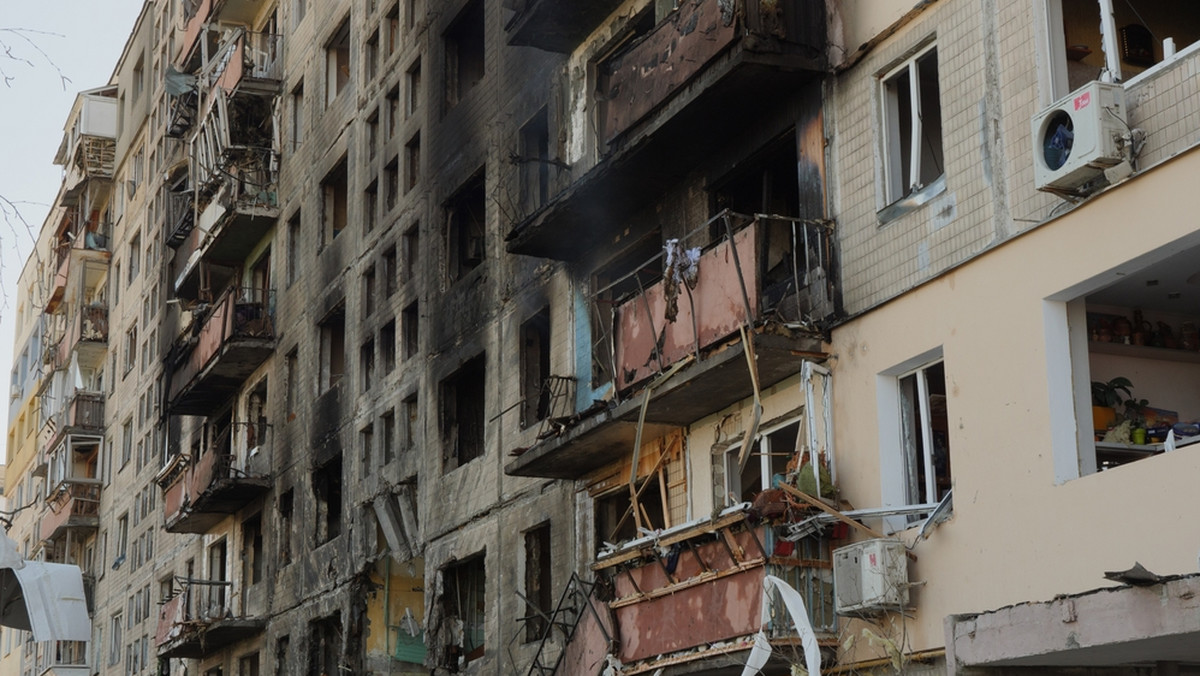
[(894, 459), (891, 136), (761, 453)]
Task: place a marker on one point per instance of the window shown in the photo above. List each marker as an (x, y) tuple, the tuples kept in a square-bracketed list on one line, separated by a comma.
[(122, 540), (466, 237), (135, 257), (387, 346), (914, 433), (337, 62), (293, 383), (535, 368), (412, 252), (126, 442), (391, 174), (393, 112), (462, 411), (768, 456), (371, 57), (410, 324), (366, 362), (412, 162), (912, 126), (388, 422), (282, 650), (333, 348), (372, 133), (412, 88), (327, 488), (368, 291), (464, 42), (293, 248), (298, 121), (370, 204), (298, 8), (252, 550), (390, 274), (464, 600), (393, 29), (284, 549), (131, 348), (248, 665), (115, 641), (538, 582), (325, 646), (334, 199), (366, 444), (534, 161), (411, 421)]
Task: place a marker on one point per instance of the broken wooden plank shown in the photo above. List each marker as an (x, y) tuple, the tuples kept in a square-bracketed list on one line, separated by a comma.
[(796, 493)]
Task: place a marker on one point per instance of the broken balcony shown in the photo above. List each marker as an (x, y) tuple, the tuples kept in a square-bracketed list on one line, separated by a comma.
[(554, 25), (200, 620), (179, 216), (80, 420), (72, 505), (86, 338), (230, 472), (201, 15), (88, 149), (694, 595), (222, 344), (660, 95), (779, 277), (80, 256)]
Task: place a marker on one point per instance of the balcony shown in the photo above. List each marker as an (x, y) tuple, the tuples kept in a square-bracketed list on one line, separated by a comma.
[(232, 471), (235, 217), (80, 258), (73, 504), (224, 343), (79, 422), (783, 264), (86, 337), (664, 91), (554, 25), (200, 14), (55, 658), (714, 579), (200, 621), (180, 216)]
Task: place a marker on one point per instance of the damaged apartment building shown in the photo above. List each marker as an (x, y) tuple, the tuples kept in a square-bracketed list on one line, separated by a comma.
[(619, 337)]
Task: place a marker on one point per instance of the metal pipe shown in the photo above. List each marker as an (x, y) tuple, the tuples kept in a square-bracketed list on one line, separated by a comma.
[(1108, 37)]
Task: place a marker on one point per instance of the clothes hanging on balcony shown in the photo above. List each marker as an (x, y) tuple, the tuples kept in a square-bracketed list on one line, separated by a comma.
[(679, 264)]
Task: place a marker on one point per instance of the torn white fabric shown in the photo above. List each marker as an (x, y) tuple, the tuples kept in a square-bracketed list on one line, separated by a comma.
[(55, 601), (795, 607)]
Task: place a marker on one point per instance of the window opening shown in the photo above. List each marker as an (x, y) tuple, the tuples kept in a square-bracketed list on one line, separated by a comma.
[(912, 117)]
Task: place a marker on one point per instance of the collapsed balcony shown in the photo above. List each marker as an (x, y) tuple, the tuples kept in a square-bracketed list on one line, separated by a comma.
[(554, 25), (80, 255), (664, 91), (234, 468), (200, 15), (73, 504), (221, 345), (695, 593), (199, 620), (696, 362)]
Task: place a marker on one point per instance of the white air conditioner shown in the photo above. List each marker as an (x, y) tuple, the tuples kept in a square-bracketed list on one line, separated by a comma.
[(870, 577), (1078, 137)]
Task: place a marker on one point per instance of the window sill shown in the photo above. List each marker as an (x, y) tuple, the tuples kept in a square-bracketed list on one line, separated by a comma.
[(912, 201)]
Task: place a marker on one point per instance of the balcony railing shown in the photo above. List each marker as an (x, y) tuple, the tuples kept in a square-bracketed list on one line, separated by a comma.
[(233, 470), (246, 58), (73, 503), (200, 620), (57, 658), (180, 215), (87, 333), (221, 349)]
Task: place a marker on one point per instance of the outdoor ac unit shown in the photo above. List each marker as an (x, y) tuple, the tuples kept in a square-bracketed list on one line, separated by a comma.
[(1078, 137), (870, 577)]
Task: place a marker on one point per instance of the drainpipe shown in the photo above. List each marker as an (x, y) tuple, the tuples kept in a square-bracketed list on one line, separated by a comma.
[(1108, 36)]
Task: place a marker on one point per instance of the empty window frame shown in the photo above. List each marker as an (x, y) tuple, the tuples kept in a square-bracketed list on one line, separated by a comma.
[(366, 363), (535, 368), (293, 248), (768, 456), (464, 600), (534, 156), (410, 324), (368, 291), (387, 347), (391, 279), (366, 449), (912, 126), (411, 245), (465, 53), (466, 228), (538, 582), (252, 550), (337, 62), (411, 421), (325, 646), (284, 531), (387, 423), (412, 162), (412, 88), (333, 348), (371, 57), (370, 205), (334, 203), (298, 119), (327, 489), (462, 413), (914, 434)]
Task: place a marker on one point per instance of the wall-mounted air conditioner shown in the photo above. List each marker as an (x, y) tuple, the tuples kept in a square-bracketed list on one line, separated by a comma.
[(1078, 137), (870, 577)]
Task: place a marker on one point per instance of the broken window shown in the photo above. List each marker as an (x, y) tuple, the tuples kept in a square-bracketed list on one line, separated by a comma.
[(248, 665), (252, 550), (283, 646), (284, 549), (466, 228), (334, 203), (327, 488), (293, 247), (412, 162), (387, 346), (391, 174), (410, 420), (534, 162), (768, 457), (464, 42), (912, 126), (333, 348), (412, 87), (538, 589), (914, 434), (337, 62), (298, 121), (325, 646), (462, 413), (615, 520), (366, 445), (370, 204), (371, 57), (393, 112), (535, 368), (393, 29), (366, 362), (465, 606), (410, 324), (388, 422), (390, 274), (293, 383), (412, 251)]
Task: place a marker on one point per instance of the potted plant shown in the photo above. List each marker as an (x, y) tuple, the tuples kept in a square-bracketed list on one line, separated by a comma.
[(1106, 396)]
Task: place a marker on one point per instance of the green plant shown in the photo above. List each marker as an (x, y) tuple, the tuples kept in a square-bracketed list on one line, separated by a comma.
[(1135, 411), (1109, 394)]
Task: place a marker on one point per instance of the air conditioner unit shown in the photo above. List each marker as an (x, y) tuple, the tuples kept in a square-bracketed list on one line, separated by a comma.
[(1078, 137), (870, 577)]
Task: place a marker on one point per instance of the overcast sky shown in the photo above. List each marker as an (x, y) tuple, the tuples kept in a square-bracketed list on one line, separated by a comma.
[(82, 39)]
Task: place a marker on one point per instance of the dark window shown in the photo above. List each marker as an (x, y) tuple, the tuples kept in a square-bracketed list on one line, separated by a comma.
[(337, 62), (391, 279), (252, 551), (366, 362), (410, 324), (462, 413), (413, 87), (325, 646), (387, 346), (410, 420), (466, 228), (285, 527), (327, 488), (282, 648), (368, 291), (412, 162), (538, 588), (535, 368), (333, 349), (388, 422), (464, 41), (294, 248), (391, 174), (463, 599), (334, 203), (366, 439), (370, 204), (412, 251), (535, 162)]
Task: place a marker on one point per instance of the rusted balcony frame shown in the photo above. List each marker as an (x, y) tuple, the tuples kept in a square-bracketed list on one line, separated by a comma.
[(185, 632), (73, 503), (198, 492)]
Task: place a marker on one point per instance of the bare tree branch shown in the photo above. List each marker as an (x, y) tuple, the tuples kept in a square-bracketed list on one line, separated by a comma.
[(10, 54)]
